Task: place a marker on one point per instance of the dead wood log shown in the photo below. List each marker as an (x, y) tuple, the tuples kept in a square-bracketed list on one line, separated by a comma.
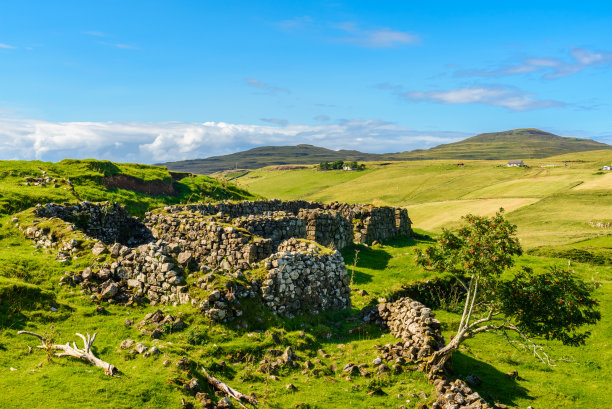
[(229, 391), (84, 354)]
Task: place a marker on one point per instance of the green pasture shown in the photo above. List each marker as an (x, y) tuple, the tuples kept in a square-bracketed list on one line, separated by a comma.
[(552, 201)]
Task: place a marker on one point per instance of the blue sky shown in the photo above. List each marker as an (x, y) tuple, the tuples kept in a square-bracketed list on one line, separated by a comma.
[(160, 80)]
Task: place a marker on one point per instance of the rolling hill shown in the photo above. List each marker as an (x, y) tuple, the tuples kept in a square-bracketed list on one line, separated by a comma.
[(513, 144), (138, 187), (517, 143), (550, 202), (273, 155)]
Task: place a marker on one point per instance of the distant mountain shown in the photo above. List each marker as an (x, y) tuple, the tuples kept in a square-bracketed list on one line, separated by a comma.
[(514, 144), (517, 143), (273, 155)]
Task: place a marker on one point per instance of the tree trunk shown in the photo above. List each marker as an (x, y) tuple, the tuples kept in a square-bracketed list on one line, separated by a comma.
[(440, 358)]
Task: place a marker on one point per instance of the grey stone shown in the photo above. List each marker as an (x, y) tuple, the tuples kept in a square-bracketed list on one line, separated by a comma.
[(126, 343), (184, 258), (110, 291), (140, 348), (98, 249)]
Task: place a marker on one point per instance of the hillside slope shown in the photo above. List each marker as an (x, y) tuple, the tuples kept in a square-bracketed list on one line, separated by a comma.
[(516, 143), (556, 202), (139, 187), (272, 155)]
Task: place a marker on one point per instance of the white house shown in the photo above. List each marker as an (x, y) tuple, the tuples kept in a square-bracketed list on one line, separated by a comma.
[(515, 163), (607, 167)]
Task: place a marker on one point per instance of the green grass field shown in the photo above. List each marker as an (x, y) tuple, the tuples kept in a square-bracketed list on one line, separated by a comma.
[(17, 193), (553, 218), (551, 204)]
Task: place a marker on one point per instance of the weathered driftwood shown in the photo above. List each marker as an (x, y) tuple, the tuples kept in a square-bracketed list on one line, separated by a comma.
[(84, 354), (228, 390)]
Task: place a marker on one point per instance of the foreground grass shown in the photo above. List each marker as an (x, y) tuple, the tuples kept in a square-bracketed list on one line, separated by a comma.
[(379, 270)]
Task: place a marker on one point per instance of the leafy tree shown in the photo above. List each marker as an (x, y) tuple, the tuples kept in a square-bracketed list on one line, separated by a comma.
[(337, 164), (552, 305)]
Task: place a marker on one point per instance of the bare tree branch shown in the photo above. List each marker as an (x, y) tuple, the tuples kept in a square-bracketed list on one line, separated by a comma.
[(228, 390), (84, 354)]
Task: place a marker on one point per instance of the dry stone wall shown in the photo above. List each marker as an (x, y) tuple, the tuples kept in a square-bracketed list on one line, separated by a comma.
[(208, 242), (419, 331), (295, 240), (368, 223), (278, 226), (413, 323), (305, 280), (328, 228), (148, 272), (108, 222)]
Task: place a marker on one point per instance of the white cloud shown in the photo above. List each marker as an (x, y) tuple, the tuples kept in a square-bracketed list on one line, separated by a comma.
[(277, 121), (379, 38), (6, 46), (497, 95), (579, 60), (171, 141), (265, 87)]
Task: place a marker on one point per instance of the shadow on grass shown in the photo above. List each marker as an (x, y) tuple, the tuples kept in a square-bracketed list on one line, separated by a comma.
[(401, 242), (360, 277), (367, 257), (496, 385)]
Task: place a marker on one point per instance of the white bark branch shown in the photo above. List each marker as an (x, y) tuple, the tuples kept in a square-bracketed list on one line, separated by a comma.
[(228, 390), (84, 354)]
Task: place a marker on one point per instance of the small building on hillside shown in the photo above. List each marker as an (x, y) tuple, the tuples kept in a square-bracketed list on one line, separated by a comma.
[(607, 167), (515, 163)]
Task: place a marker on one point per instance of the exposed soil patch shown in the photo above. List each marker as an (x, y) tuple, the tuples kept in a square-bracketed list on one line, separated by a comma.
[(153, 188), (176, 176)]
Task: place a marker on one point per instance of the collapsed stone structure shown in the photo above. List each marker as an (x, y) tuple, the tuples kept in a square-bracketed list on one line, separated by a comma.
[(107, 222), (296, 242), (410, 321), (414, 324), (302, 279), (331, 222)]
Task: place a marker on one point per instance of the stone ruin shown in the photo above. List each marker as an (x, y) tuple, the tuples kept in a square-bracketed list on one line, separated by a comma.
[(301, 278), (410, 321), (292, 245), (414, 324), (107, 222)]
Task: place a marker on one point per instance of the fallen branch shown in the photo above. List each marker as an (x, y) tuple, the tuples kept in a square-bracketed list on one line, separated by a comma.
[(228, 390), (84, 354)]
